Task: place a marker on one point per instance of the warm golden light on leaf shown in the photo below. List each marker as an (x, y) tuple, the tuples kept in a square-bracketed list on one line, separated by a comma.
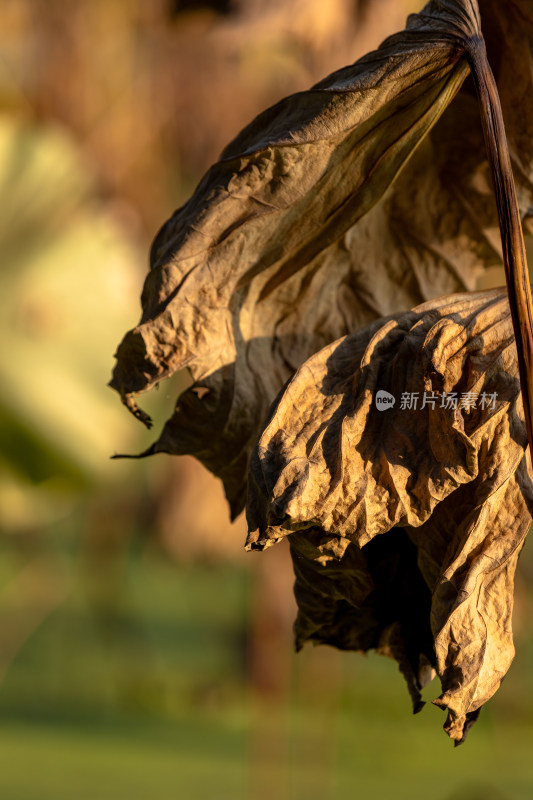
[(442, 472), (331, 215)]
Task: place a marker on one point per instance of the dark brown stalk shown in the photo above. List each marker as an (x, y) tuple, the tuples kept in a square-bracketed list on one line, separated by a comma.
[(514, 252)]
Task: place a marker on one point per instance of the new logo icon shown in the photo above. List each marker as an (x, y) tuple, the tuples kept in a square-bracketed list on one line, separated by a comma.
[(384, 400)]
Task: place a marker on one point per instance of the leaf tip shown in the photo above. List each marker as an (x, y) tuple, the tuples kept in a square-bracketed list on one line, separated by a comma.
[(418, 706), (133, 408), (150, 451)]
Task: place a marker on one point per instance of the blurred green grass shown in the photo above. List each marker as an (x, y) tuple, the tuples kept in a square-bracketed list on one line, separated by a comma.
[(146, 694)]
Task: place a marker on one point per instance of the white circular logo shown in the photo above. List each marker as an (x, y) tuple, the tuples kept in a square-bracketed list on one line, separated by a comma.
[(384, 400)]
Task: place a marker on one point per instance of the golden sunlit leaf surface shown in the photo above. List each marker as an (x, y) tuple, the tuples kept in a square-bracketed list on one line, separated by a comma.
[(405, 521), (283, 249)]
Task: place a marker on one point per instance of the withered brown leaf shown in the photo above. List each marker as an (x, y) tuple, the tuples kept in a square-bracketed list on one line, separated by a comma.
[(406, 523), (333, 209), (301, 234)]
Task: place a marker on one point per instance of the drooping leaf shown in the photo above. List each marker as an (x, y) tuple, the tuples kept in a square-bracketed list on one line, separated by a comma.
[(440, 476), (297, 236), (357, 599)]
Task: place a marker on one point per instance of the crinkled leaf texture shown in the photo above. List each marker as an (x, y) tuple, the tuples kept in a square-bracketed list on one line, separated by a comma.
[(405, 524), (301, 234)]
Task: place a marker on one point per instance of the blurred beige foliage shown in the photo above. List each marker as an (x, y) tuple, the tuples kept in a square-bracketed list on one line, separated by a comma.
[(160, 95), (136, 100)]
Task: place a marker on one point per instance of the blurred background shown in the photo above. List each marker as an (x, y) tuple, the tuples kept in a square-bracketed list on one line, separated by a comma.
[(142, 652)]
